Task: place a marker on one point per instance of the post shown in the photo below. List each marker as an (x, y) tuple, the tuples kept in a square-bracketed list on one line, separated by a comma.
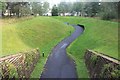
[(70, 32), (43, 54)]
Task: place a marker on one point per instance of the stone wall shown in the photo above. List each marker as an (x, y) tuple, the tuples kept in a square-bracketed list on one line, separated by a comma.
[(101, 66), (20, 65)]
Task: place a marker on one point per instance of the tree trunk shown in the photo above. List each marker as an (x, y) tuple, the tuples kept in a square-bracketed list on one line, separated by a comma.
[(18, 13), (2, 14), (63, 14), (77, 13), (10, 12)]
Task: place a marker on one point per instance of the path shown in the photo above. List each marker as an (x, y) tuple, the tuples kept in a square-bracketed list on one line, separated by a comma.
[(59, 64)]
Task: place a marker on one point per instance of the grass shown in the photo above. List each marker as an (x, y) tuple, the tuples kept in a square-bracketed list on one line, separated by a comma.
[(45, 32), (99, 35), (24, 34)]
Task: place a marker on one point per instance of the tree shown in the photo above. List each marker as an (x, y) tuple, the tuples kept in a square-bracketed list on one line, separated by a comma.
[(37, 8), (55, 11), (25, 9), (0, 5), (64, 7), (45, 7), (77, 7), (92, 8), (2, 8), (109, 10), (17, 8)]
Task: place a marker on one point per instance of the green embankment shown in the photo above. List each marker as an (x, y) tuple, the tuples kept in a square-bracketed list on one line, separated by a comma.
[(28, 33), (45, 32), (99, 35)]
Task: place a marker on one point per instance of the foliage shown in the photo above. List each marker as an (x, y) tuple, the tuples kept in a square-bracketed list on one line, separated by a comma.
[(104, 10), (94, 59), (64, 7), (30, 59), (55, 11), (21, 70), (37, 8), (8, 70), (12, 71), (24, 8), (2, 7), (77, 6), (108, 71), (40, 8), (45, 7), (92, 9), (109, 10), (20, 8)]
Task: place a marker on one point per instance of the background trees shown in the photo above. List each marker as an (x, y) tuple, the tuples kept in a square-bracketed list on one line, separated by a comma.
[(2, 8), (104, 10), (36, 8), (55, 11), (77, 7), (92, 9), (64, 7), (109, 10), (40, 8), (24, 8), (46, 7)]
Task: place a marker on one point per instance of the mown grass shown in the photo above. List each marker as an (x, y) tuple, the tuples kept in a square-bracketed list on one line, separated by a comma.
[(35, 32), (99, 35)]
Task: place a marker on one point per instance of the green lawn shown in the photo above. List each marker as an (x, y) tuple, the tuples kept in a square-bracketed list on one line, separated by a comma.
[(45, 32), (99, 35), (28, 33)]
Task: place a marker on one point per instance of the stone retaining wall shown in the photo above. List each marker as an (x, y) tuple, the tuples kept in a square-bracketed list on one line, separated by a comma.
[(101, 66), (20, 65)]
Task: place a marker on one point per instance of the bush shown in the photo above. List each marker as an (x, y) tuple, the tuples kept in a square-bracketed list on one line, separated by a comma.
[(108, 16), (109, 71), (8, 70)]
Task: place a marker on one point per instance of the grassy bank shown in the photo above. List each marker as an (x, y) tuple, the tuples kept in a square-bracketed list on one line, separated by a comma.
[(28, 33), (99, 35)]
